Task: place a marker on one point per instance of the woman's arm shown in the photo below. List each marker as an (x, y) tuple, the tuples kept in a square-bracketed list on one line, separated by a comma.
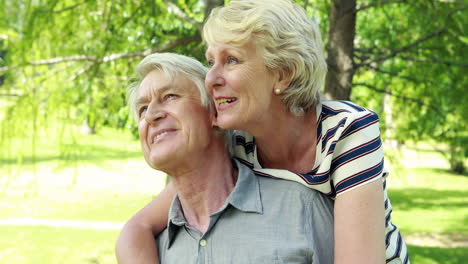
[(360, 225), (136, 243)]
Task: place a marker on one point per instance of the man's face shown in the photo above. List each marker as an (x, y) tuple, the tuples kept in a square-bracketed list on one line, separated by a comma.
[(173, 125)]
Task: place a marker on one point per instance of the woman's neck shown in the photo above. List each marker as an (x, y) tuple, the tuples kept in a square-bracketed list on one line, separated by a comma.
[(288, 142)]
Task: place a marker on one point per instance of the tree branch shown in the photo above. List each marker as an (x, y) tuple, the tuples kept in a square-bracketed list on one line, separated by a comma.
[(179, 13), (396, 74), (448, 63), (209, 5), (372, 87), (9, 95), (395, 52), (69, 7), (364, 7), (389, 93), (63, 59), (111, 57), (80, 72)]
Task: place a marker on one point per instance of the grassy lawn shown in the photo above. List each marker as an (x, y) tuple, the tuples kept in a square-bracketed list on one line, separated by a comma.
[(427, 198), (104, 178), (430, 208), (87, 178), (56, 245), (91, 206), (437, 255)]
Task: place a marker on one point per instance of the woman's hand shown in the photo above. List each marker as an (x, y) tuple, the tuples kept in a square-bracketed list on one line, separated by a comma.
[(136, 242)]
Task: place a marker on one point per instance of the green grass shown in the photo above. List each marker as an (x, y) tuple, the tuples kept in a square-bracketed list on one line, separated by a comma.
[(104, 178), (85, 206), (435, 255), (435, 200), (82, 177), (66, 146), (430, 201), (56, 245)]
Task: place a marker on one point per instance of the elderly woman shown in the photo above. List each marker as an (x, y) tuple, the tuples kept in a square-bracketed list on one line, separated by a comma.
[(266, 69)]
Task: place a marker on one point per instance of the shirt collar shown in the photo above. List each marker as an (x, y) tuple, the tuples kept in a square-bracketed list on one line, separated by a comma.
[(245, 197), (246, 194)]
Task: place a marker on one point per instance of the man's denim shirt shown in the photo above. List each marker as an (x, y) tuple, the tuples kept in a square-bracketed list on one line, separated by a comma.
[(264, 220)]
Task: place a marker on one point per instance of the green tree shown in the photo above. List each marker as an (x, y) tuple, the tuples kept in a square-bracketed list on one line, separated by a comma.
[(69, 61), (406, 60)]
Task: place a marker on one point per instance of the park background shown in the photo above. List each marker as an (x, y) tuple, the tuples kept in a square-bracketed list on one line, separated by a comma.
[(71, 170)]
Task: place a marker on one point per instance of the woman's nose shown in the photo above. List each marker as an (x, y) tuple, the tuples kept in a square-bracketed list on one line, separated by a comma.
[(214, 78)]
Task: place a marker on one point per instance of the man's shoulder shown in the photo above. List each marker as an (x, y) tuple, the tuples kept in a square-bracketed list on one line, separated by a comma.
[(269, 184)]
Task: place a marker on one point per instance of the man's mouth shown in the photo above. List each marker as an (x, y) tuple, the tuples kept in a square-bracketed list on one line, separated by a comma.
[(160, 134)]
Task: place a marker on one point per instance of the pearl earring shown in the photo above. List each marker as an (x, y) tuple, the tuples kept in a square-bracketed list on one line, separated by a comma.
[(277, 91)]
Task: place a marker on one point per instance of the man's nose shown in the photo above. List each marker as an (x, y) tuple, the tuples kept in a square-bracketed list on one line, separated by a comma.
[(214, 78), (154, 113)]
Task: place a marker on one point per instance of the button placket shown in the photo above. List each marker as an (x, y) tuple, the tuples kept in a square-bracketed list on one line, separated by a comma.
[(203, 242)]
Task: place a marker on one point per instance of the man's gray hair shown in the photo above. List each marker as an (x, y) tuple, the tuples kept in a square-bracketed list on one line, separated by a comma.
[(171, 65)]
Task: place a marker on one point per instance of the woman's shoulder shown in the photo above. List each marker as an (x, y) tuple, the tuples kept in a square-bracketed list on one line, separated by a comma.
[(339, 107), (345, 113), (242, 146)]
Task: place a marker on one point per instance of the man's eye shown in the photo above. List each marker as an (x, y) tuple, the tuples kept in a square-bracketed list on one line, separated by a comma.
[(210, 63), (232, 60), (142, 111), (170, 97)]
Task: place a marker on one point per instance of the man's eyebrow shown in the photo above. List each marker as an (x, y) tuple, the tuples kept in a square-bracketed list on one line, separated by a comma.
[(145, 98), (141, 99)]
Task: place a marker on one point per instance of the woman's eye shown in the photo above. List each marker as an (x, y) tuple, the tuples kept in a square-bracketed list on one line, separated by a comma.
[(232, 60)]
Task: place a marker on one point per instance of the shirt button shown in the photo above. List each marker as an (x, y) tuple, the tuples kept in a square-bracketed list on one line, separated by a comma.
[(203, 242)]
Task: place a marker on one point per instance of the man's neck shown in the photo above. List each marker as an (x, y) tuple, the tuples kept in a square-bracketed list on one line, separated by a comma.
[(203, 188)]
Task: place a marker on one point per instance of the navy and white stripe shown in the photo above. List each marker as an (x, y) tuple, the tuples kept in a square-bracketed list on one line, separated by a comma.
[(349, 154)]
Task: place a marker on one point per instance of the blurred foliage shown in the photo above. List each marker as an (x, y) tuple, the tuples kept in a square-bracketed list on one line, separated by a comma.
[(69, 62), (416, 52)]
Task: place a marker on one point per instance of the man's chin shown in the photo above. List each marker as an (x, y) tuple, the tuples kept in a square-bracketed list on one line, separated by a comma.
[(162, 162)]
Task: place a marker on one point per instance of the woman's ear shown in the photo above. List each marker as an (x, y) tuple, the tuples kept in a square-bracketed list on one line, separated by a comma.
[(214, 119), (284, 78)]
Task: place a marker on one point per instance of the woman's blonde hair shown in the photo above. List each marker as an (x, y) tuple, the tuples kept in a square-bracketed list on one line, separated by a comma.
[(287, 38)]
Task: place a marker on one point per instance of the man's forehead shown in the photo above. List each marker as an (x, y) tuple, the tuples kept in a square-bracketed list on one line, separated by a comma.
[(158, 82)]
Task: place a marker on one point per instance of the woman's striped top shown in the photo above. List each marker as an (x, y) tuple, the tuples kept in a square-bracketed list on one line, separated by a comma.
[(349, 154)]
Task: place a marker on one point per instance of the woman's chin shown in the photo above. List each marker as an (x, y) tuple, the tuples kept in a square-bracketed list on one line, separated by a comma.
[(226, 121)]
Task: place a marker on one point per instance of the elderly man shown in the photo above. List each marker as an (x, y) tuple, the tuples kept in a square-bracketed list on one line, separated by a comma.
[(223, 212)]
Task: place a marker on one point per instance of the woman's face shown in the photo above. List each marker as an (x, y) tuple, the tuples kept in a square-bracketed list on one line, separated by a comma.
[(241, 85)]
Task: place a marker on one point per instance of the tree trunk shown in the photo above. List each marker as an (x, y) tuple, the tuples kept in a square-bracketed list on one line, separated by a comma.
[(340, 49), (389, 139), (210, 4)]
